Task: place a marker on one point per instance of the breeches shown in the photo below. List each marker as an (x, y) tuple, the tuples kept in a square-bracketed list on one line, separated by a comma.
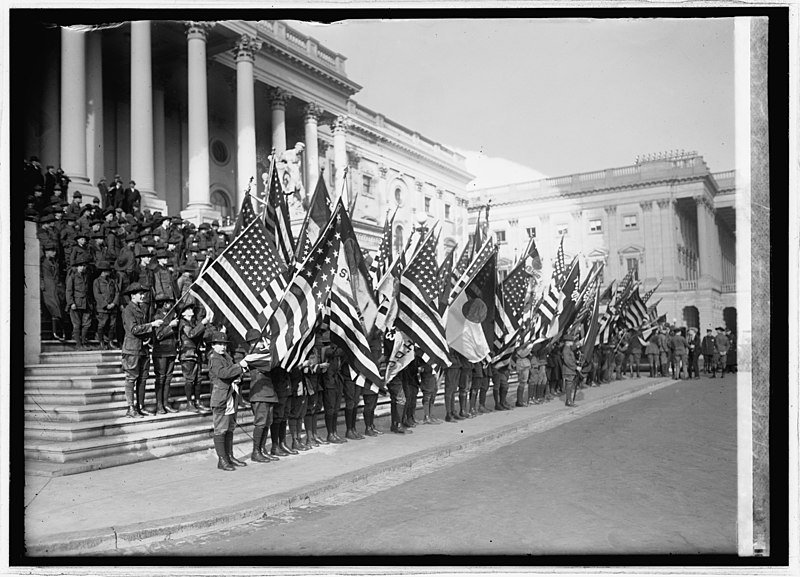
[(222, 422), (281, 410), (452, 376), (352, 393), (370, 403), (81, 319), (331, 398), (136, 369), (428, 387), (262, 414), (107, 324), (163, 368), (297, 407), (396, 393), (523, 374)]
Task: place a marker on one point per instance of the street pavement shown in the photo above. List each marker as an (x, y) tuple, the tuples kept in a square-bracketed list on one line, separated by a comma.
[(652, 475), (128, 508)]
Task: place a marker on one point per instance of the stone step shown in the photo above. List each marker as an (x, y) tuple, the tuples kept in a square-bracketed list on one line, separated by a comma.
[(71, 369), (53, 397), (38, 383), (126, 435), (79, 357), (56, 459)]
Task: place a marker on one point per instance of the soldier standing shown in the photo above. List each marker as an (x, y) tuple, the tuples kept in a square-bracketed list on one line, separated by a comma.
[(190, 335), (78, 301), (522, 362), (53, 290), (135, 348), (106, 302), (569, 370), (721, 344), (165, 351)]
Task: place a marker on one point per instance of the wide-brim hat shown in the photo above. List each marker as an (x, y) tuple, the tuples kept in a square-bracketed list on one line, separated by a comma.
[(70, 216), (252, 335), (204, 226), (141, 251), (163, 298), (98, 234), (108, 211), (86, 208), (81, 234), (162, 253), (82, 259), (135, 287), (131, 237), (219, 337), (47, 218), (123, 262), (77, 194), (720, 329), (148, 241), (187, 305), (102, 265)]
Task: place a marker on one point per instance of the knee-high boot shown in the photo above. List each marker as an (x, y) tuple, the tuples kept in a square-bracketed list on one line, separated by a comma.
[(56, 329), (256, 456), (229, 448), (222, 454), (282, 439), (160, 396), (473, 401), (398, 410), (310, 423), (276, 449), (262, 446), (462, 404)]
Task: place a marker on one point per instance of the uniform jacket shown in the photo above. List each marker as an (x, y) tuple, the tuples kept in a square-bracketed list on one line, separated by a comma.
[(80, 251), (261, 387), (165, 343), (190, 335), (568, 362), (78, 290), (678, 345), (222, 372), (709, 345), (280, 381), (138, 330), (722, 343), (652, 347), (131, 197), (53, 289), (106, 292), (164, 283)]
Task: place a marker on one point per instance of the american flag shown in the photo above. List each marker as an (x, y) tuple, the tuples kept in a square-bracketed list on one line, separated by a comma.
[(317, 216), (244, 284), (652, 310), (506, 329), (559, 266), (360, 279), (624, 287), (417, 314), (387, 287), (246, 215), (649, 293), (276, 219), (636, 312), (347, 332), (481, 258), (462, 264), (301, 349), (514, 289), (567, 298), (590, 340), (483, 286), (307, 294), (445, 280), (383, 258)]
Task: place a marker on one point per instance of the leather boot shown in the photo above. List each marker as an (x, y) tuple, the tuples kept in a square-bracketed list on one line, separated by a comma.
[(276, 449), (159, 396), (335, 426), (353, 422), (308, 421), (473, 401), (133, 413), (317, 437), (282, 439), (229, 448), (256, 456), (165, 400), (56, 330), (463, 398), (332, 438), (297, 443), (223, 462), (263, 446), (368, 425)]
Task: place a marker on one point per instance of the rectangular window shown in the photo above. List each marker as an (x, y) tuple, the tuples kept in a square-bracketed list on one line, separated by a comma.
[(501, 236), (447, 212), (596, 225), (562, 230), (531, 232), (630, 221), (428, 204), (366, 184), (633, 265)]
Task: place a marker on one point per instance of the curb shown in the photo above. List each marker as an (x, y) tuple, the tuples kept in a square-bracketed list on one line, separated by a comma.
[(113, 539)]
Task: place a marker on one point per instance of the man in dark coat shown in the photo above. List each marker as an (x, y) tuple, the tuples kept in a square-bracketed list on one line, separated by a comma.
[(165, 350), (190, 334), (569, 370), (53, 290), (709, 351), (136, 348), (107, 199), (79, 291), (117, 193), (225, 376), (106, 302)]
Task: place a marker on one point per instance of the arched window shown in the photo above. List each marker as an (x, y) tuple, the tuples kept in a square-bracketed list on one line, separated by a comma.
[(221, 201)]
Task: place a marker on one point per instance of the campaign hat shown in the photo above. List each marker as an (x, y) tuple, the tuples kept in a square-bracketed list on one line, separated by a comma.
[(219, 337), (252, 335), (135, 287), (102, 264), (82, 259), (141, 251), (47, 218), (123, 262)]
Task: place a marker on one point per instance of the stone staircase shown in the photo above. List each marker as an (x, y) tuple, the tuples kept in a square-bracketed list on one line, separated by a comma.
[(74, 404)]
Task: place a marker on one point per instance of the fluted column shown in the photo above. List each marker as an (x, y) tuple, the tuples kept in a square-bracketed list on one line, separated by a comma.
[(159, 144), (73, 112), (199, 208), (142, 166), (244, 55), (95, 165), (703, 237), (339, 127), (278, 98), (311, 118)]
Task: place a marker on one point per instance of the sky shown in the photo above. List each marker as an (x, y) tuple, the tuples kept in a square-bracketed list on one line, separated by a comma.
[(555, 96)]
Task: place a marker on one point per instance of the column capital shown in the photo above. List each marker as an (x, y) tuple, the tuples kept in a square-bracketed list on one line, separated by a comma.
[(663, 202), (353, 158), (311, 112), (278, 97), (340, 124), (513, 222), (245, 48), (198, 29), (383, 170), (439, 193), (323, 145), (647, 205), (611, 209)]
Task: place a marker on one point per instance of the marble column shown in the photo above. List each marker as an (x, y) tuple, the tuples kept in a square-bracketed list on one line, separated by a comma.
[(616, 269), (73, 113), (50, 139), (142, 165), (199, 209), (649, 273), (159, 144), (32, 277), (312, 113), (95, 164), (278, 99), (339, 128), (244, 55), (703, 238), (382, 192)]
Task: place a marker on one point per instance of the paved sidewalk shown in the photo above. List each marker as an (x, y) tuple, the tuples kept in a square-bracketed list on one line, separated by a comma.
[(111, 509)]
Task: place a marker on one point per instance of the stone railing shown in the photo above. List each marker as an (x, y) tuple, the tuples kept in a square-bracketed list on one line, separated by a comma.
[(688, 285), (728, 287), (288, 36)]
